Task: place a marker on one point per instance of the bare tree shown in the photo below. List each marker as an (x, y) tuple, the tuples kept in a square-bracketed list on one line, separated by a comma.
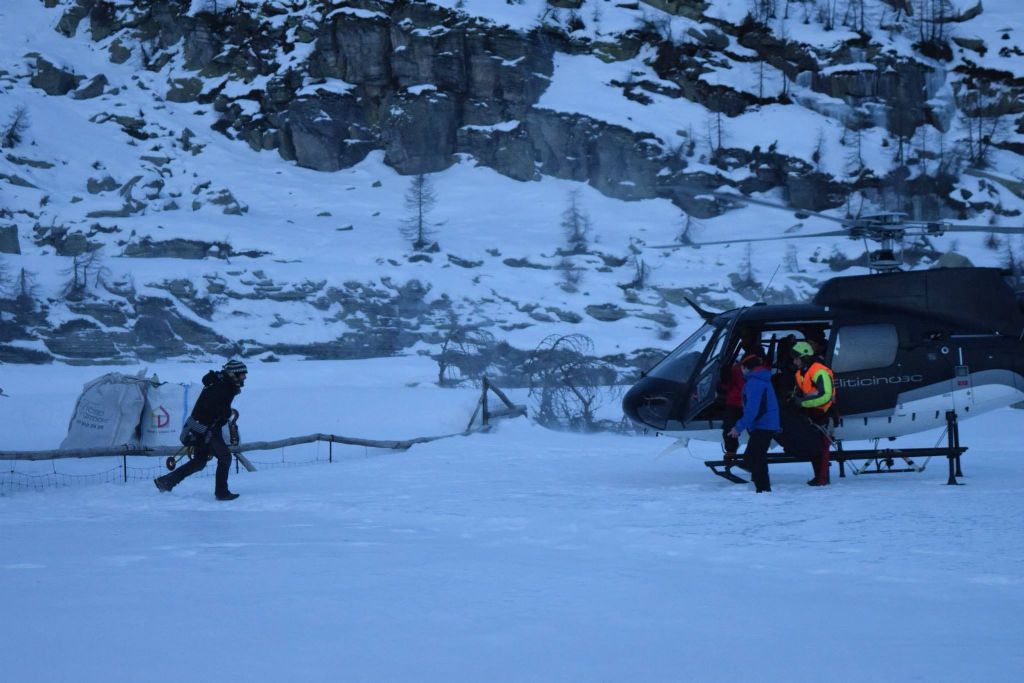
[(716, 134), (567, 384), (827, 11), (790, 261), (691, 142), (1013, 264), (855, 155), (819, 149), (465, 354), (931, 18), (12, 134), (745, 276), (419, 199), (855, 15), (641, 272), (82, 266), (576, 225), (761, 11), (981, 108), (74, 288), (572, 273), (25, 292)]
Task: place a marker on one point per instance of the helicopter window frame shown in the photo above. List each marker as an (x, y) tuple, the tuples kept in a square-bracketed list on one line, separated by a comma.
[(770, 334), (872, 346), (717, 349), (706, 377)]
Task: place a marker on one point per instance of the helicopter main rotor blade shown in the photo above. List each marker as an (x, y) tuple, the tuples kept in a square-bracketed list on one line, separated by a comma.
[(736, 197), (953, 227), (775, 205), (740, 240)]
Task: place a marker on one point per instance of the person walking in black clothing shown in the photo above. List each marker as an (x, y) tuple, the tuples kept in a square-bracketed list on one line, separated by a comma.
[(760, 418), (203, 429)]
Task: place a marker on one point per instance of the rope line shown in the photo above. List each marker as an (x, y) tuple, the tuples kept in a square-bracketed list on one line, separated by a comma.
[(12, 481)]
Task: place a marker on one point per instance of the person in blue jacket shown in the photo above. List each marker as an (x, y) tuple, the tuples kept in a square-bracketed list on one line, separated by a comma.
[(760, 418)]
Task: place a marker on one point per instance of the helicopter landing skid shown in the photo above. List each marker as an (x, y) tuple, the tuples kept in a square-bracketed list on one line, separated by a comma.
[(726, 473), (881, 461)]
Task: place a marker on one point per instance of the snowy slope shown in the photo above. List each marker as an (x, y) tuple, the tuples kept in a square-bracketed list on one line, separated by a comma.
[(323, 230)]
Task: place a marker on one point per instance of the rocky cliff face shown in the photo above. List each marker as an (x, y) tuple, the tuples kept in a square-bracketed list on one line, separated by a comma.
[(324, 83)]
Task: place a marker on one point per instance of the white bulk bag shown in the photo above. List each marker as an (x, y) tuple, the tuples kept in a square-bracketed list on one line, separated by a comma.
[(107, 413), (168, 405)]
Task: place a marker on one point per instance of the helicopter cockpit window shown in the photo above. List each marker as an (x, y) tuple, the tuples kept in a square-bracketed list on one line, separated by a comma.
[(717, 350), (863, 347), (708, 379), (679, 365)]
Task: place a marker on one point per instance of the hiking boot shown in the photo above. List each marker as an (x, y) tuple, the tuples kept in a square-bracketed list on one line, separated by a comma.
[(163, 485), (815, 482), (227, 495)]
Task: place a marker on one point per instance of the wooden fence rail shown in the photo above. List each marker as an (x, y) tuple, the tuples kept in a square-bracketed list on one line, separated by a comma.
[(510, 410)]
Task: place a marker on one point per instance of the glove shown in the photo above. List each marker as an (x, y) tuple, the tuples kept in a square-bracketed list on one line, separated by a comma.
[(233, 428)]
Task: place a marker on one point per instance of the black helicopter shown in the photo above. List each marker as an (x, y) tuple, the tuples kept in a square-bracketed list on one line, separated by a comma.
[(911, 350)]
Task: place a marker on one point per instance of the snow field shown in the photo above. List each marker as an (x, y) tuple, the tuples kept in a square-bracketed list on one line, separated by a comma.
[(519, 555)]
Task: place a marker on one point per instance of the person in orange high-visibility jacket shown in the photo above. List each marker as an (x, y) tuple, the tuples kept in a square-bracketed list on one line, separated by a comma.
[(815, 392)]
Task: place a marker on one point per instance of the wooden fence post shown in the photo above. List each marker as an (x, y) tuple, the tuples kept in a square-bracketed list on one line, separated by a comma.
[(486, 415)]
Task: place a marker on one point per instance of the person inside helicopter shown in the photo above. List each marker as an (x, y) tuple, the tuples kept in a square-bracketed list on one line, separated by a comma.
[(798, 435)]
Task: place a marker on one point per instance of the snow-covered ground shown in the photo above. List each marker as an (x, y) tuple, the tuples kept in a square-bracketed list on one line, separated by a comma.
[(518, 555)]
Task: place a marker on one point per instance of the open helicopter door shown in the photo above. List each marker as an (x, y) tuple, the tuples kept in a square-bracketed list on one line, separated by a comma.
[(704, 387)]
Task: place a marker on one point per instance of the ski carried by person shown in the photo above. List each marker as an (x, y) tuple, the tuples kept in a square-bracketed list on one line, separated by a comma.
[(234, 439)]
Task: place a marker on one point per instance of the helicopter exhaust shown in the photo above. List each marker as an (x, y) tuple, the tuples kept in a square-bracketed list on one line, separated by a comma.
[(706, 316)]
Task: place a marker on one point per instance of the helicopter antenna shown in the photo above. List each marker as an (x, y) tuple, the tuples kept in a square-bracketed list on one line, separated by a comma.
[(764, 291)]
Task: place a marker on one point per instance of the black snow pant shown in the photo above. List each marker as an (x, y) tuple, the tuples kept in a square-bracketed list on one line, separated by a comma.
[(215, 448), (730, 417), (820, 459), (755, 459)]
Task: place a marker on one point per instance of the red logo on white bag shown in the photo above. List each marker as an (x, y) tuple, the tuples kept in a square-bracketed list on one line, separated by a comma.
[(160, 418)]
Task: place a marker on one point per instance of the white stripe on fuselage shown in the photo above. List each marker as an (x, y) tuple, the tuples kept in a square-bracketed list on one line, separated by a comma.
[(908, 417)]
